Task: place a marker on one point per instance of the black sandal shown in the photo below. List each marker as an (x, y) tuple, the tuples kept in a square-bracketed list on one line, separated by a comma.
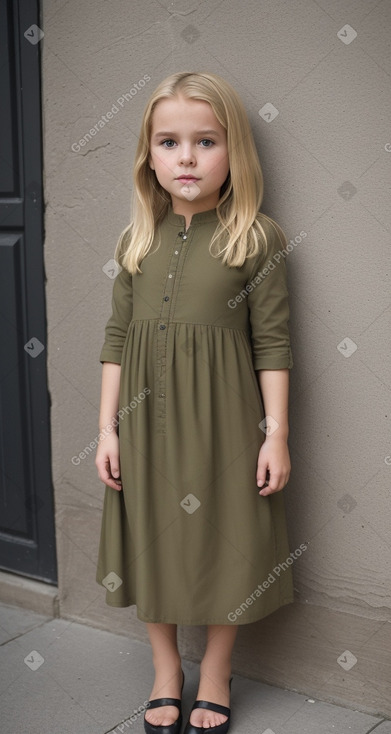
[(221, 728), (173, 728)]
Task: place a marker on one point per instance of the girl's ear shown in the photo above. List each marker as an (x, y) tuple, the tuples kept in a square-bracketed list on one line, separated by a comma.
[(150, 163)]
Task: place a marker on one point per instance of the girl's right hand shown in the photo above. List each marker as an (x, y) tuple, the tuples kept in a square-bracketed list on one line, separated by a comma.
[(107, 461)]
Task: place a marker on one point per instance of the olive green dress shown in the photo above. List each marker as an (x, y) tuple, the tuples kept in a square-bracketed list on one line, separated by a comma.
[(189, 540)]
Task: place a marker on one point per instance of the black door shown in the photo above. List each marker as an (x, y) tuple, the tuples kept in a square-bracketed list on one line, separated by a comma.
[(27, 539)]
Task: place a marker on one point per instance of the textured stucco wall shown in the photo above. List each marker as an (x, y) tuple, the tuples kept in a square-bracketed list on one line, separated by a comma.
[(325, 157)]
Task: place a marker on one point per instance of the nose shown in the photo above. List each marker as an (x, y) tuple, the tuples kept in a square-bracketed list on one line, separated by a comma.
[(187, 155)]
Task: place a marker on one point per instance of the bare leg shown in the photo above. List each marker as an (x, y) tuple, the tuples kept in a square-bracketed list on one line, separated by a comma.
[(215, 672), (168, 676)]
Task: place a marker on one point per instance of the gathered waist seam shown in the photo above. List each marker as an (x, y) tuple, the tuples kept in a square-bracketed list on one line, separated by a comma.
[(188, 323)]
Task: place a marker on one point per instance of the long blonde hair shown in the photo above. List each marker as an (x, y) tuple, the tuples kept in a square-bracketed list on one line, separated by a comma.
[(240, 196)]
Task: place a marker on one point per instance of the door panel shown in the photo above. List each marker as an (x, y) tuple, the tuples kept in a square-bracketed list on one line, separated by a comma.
[(27, 537)]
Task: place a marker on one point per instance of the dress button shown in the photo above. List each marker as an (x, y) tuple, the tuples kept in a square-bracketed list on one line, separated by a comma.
[(170, 276), (184, 237), (162, 395), (162, 326), (166, 298), (176, 252)]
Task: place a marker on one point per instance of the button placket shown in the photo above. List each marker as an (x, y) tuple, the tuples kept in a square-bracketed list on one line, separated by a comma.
[(162, 330)]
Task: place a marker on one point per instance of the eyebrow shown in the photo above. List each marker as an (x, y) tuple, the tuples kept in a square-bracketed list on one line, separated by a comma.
[(198, 132)]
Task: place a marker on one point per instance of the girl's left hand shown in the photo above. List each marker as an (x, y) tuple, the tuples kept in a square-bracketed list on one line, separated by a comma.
[(274, 465)]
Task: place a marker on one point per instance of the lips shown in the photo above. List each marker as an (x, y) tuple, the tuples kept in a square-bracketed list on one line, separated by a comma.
[(187, 179)]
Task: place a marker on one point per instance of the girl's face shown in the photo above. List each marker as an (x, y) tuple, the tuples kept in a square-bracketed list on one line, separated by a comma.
[(188, 152)]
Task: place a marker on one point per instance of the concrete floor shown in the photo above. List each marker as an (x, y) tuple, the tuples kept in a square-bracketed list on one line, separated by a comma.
[(59, 677)]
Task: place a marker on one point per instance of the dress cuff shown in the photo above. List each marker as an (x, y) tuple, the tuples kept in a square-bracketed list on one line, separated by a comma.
[(274, 362), (109, 354)]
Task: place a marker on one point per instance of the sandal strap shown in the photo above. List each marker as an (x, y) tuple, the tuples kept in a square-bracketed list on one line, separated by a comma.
[(156, 702), (212, 707)]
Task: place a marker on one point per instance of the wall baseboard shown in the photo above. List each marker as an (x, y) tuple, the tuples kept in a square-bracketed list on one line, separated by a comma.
[(30, 594)]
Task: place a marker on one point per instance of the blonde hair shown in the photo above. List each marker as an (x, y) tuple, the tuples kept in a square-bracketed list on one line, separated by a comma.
[(239, 218)]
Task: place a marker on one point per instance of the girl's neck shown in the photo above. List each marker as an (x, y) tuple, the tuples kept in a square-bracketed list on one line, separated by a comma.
[(187, 211)]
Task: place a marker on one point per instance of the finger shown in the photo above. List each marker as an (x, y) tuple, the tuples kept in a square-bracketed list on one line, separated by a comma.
[(262, 472), (114, 463), (106, 476), (103, 470), (275, 482), (271, 484), (269, 490), (115, 473), (275, 486), (114, 484)]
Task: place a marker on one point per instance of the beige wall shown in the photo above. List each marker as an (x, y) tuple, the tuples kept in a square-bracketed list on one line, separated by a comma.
[(331, 135)]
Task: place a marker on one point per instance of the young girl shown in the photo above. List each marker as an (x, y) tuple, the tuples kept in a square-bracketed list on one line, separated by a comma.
[(195, 377)]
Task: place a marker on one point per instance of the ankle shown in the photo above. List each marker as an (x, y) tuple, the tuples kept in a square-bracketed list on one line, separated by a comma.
[(216, 671), (170, 668)]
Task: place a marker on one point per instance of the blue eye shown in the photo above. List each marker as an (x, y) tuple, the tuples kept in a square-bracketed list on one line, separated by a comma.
[(170, 143)]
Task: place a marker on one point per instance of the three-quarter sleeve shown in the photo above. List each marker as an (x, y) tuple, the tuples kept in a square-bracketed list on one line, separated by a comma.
[(269, 308), (118, 323)]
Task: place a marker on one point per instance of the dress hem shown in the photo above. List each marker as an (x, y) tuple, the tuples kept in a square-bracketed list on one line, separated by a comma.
[(165, 620)]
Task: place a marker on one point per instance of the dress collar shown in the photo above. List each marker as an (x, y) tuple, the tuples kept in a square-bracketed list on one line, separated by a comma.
[(198, 218)]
